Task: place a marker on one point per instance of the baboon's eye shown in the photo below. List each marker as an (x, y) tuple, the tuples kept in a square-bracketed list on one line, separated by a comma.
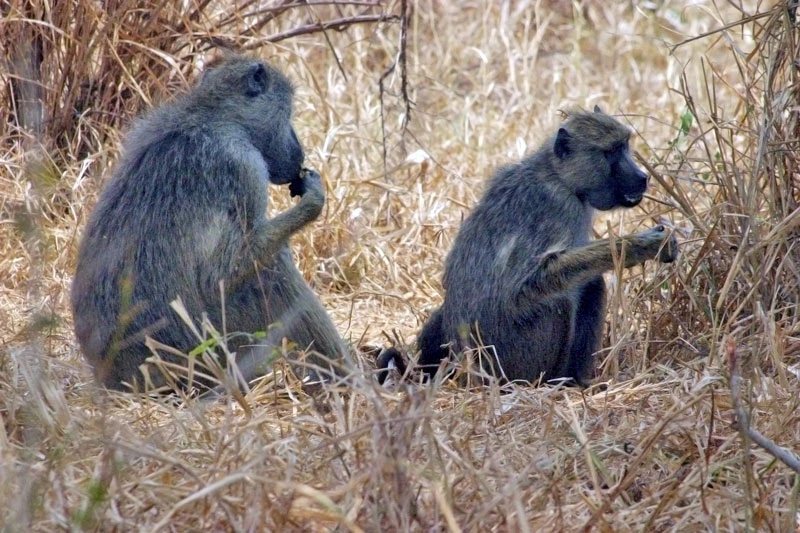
[(614, 154), (256, 82)]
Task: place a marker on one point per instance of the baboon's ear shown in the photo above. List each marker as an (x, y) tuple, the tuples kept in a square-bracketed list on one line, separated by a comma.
[(561, 146), (256, 81), (597, 109)]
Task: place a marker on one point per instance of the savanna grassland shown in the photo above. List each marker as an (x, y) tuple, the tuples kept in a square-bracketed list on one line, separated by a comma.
[(405, 109)]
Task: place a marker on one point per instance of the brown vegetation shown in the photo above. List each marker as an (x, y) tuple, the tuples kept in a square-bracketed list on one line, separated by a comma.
[(712, 91)]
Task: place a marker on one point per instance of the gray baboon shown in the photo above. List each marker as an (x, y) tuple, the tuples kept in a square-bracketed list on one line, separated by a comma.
[(524, 277), (184, 216)]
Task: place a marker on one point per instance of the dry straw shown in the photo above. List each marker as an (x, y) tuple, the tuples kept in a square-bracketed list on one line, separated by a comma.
[(711, 88)]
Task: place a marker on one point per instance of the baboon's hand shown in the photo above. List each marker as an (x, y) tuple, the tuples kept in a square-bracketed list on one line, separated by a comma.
[(669, 252), (309, 186), (664, 242), (308, 179)]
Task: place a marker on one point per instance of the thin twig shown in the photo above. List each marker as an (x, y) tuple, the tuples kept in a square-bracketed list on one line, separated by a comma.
[(336, 24), (784, 455), (740, 22), (401, 60), (403, 67)]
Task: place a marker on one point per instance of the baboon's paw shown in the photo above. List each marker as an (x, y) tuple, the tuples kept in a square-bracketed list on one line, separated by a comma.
[(669, 251), (307, 180)]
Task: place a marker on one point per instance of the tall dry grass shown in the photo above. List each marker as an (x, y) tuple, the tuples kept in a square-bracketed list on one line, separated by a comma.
[(711, 88)]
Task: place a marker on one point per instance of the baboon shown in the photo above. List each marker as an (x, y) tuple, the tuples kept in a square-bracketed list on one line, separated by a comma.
[(523, 277), (184, 216)]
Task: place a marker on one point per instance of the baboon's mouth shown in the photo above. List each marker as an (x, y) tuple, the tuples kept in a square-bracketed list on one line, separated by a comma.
[(632, 199)]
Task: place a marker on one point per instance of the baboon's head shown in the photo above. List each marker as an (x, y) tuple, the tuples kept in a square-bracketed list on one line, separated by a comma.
[(594, 158), (246, 92)]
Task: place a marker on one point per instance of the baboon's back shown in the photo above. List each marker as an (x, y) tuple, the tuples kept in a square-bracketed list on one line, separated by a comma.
[(148, 242), (525, 211)]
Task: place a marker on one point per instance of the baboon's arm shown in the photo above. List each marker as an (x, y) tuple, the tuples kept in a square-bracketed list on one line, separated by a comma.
[(270, 234), (567, 270), (260, 245)]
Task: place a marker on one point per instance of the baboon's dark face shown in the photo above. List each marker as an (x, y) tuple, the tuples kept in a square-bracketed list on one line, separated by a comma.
[(259, 98), (627, 181), (595, 158), (284, 156)]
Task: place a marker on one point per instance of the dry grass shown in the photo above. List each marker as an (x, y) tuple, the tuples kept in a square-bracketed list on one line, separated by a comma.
[(657, 450)]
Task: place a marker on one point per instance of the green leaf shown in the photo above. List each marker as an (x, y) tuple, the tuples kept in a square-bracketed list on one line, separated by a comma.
[(202, 347), (686, 122)]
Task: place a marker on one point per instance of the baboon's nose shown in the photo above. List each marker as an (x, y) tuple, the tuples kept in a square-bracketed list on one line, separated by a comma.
[(643, 179)]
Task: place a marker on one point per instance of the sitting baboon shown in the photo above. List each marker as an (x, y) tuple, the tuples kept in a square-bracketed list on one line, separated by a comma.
[(524, 279), (185, 216)]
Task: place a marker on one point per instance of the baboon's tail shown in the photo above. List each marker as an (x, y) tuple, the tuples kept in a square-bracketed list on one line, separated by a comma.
[(388, 358), (432, 344)]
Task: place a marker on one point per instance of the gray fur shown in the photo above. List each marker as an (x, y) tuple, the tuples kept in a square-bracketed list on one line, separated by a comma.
[(523, 275), (186, 209)]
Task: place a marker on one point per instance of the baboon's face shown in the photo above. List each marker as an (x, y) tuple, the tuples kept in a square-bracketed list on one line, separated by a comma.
[(259, 98), (627, 181), (594, 157), (612, 179), (284, 157)]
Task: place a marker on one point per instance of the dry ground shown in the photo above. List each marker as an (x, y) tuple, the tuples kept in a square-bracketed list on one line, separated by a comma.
[(658, 449)]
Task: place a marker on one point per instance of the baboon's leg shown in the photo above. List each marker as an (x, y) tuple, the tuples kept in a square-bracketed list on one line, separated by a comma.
[(306, 329), (587, 330), (325, 354), (430, 341), (296, 314), (570, 269)]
